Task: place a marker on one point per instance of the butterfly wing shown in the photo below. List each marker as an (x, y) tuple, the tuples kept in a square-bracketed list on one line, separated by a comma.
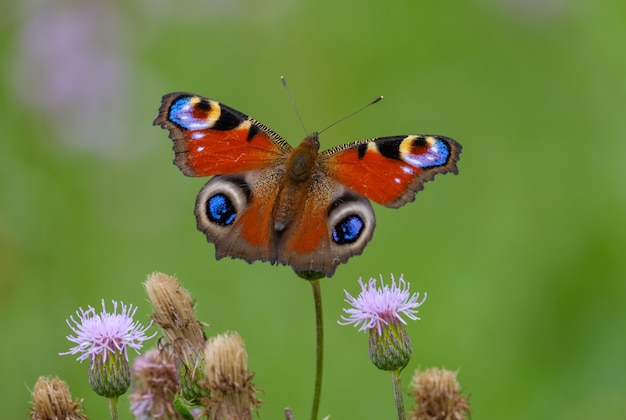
[(211, 138), (391, 170), (235, 212)]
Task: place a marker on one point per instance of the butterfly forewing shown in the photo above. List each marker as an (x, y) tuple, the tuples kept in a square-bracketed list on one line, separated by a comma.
[(391, 170), (211, 138)]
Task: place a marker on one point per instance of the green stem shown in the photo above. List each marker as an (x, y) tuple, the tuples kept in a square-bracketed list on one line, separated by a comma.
[(113, 408), (397, 393), (317, 298)]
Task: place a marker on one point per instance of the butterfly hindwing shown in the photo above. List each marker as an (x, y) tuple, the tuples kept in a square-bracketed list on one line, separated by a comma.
[(391, 170), (211, 138), (231, 215)]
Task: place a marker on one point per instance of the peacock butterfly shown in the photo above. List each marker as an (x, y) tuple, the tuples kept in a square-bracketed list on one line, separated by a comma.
[(294, 206)]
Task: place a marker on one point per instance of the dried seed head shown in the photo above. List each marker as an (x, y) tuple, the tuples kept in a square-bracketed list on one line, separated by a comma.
[(52, 400), (438, 396), (173, 311), (228, 379)]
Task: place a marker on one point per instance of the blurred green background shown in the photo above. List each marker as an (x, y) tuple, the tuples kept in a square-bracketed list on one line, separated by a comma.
[(521, 254)]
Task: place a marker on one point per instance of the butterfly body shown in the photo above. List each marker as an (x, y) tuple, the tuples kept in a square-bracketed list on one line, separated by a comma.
[(296, 182), (294, 206)]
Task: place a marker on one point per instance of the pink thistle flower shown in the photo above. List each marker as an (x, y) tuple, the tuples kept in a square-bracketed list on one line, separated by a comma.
[(375, 308), (380, 311), (155, 385), (104, 333), (104, 338)]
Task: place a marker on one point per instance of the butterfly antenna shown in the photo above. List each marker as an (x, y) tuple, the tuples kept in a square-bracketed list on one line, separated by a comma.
[(351, 114), (293, 104)]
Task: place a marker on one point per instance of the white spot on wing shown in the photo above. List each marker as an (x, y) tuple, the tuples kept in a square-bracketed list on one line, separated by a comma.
[(197, 124), (435, 148)]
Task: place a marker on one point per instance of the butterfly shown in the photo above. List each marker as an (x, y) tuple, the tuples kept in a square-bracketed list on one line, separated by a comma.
[(295, 206)]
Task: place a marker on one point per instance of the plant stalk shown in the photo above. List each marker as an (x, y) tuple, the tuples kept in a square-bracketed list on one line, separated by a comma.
[(397, 393)]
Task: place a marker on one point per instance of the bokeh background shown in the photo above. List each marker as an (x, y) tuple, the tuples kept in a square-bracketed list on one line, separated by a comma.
[(522, 253)]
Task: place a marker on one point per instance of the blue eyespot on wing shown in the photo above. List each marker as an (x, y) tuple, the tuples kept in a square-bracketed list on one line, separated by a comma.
[(220, 210), (348, 230)]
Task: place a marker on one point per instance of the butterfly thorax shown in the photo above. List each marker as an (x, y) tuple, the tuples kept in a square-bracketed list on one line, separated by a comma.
[(299, 169), (301, 160)]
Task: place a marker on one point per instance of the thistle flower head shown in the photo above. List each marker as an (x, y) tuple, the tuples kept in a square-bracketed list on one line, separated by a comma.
[(232, 392), (104, 338), (375, 307), (154, 386), (184, 334), (380, 311), (438, 396), (106, 334), (52, 400)]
